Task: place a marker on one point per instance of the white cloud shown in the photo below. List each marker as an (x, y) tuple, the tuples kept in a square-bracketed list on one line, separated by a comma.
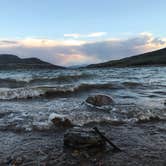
[(90, 35), (34, 42), (74, 35), (71, 52), (97, 34)]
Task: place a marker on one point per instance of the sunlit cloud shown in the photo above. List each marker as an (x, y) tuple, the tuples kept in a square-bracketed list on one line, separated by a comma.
[(73, 52), (90, 35), (71, 59)]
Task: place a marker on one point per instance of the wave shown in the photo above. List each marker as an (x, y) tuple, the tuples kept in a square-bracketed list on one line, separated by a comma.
[(132, 84), (58, 79), (19, 93), (142, 115), (17, 120), (44, 91), (150, 119), (22, 82), (53, 91), (63, 78), (12, 83)]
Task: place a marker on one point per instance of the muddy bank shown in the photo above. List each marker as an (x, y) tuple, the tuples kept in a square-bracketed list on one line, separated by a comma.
[(141, 144)]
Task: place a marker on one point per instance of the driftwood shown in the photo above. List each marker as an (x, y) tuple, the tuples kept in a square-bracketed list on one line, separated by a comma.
[(106, 139)]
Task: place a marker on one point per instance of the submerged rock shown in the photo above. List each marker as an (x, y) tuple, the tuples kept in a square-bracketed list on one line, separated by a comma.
[(83, 138), (60, 120), (99, 100)]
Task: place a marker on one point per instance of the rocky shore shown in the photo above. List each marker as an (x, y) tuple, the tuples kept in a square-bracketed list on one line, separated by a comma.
[(140, 143)]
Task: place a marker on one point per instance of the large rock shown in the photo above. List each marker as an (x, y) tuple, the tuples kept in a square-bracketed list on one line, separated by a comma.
[(99, 100), (83, 138), (60, 120)]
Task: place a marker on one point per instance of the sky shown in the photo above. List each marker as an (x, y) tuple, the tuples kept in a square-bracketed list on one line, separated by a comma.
[(74, 32)]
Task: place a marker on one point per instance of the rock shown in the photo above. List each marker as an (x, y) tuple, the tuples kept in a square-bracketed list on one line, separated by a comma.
[(60, 120), (17, 161), (99, 100), (79, 138)]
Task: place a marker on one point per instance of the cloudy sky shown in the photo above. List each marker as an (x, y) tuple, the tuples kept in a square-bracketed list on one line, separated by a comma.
[(71, 32)]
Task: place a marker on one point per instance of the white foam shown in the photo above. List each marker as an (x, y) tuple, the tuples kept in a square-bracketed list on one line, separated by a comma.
[(19, 93), (55, 115)]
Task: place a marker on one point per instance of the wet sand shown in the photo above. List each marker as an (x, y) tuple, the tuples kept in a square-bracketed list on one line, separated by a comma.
[(141, 144)]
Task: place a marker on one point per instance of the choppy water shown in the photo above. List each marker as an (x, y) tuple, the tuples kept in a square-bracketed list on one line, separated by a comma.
[(27, 98)]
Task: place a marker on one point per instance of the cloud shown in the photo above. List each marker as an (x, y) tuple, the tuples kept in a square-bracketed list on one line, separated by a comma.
[(97, 34), (75, 58), (90, 35), (72, 52), (7, 43), (74, 35), (29, 42)]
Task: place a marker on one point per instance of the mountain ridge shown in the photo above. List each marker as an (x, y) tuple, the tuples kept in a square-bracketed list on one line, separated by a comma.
[(157, 57), (10, 61)]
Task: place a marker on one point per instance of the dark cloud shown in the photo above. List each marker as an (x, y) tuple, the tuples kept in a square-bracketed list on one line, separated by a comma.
[(10, 42)]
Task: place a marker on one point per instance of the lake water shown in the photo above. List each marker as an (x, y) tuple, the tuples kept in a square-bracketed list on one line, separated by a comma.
[(27, 98)]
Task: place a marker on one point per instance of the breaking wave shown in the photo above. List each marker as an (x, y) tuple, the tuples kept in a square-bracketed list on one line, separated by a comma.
[(22, 82), (46, 91), (51, 91), (19, 93), (80, 118)]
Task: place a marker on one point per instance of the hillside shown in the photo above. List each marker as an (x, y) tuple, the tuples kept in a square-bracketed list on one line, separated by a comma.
[(8, 61), (147, 59)]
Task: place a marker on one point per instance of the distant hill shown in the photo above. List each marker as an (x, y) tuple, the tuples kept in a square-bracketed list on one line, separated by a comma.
[(155, 58), (8, 61)]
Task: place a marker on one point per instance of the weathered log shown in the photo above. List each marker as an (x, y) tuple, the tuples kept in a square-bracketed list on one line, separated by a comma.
[(106, 139)]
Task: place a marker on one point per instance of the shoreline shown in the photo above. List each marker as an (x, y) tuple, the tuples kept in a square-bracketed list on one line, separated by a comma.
[(141, 144)]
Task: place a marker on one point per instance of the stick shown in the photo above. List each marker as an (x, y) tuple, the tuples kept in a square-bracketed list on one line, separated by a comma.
[(106, 139)]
